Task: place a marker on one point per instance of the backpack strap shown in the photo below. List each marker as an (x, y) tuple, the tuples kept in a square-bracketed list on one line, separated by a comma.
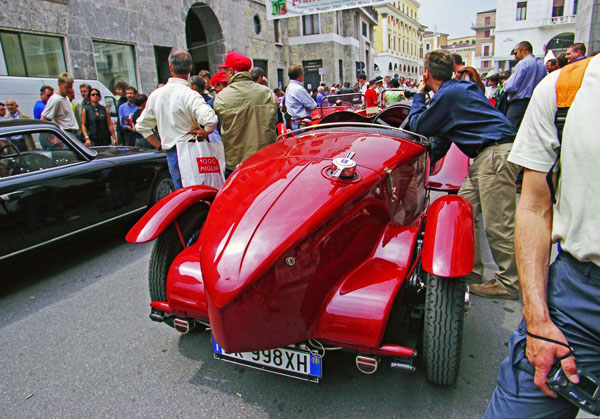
[(568, 84)]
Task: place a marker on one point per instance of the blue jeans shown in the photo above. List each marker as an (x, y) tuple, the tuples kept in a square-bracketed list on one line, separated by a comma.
[(174, 167), (574, 304)]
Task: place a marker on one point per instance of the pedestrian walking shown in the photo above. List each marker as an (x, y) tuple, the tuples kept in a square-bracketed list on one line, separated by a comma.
[(59, 109)]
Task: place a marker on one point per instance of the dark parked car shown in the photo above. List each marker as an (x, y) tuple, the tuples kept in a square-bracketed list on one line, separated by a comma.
[(53, 186)]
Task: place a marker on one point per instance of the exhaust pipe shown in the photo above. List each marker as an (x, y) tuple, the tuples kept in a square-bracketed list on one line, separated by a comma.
[(404, 363), (367, 364)]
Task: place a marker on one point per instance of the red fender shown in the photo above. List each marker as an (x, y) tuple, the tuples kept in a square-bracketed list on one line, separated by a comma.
[(165, 211), (448, 245)]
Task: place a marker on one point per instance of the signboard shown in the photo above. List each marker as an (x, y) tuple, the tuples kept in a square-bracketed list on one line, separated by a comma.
[(312, 65), (281, 9)]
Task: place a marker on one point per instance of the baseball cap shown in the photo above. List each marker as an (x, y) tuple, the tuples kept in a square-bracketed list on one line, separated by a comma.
[(237, 62), (219, 77)]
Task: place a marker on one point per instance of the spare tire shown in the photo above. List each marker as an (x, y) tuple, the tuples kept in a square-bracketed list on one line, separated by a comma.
[(443, 328)]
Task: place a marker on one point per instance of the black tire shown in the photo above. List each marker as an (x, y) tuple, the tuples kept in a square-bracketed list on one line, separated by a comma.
[(168, 245), (443, 328), (163, 185)]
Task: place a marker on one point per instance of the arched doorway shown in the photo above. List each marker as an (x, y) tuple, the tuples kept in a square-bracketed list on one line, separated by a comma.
[(204, 38), (560, 42)]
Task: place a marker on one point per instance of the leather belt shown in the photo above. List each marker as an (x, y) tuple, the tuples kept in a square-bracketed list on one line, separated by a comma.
[(498, 142)]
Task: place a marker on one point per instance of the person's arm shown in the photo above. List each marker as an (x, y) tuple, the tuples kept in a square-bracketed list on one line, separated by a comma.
[(88, 142), (306, 99), (153, 141), (204, 115), (432, 120), (533, 227), (515, 80), (49, 110), (146, 121), (110, 125)]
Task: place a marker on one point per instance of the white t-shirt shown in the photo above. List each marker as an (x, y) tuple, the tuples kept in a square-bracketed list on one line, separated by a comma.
[(576, 222), (59, 110)]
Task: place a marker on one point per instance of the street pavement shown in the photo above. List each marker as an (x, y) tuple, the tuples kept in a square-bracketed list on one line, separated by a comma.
[(76, 341)]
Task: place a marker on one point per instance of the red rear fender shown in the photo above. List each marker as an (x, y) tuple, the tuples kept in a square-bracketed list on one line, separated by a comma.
[(165, 211), (448, 246)]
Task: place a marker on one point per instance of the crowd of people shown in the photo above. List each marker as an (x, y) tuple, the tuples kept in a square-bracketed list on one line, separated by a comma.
[(540, 120), (504, 121)]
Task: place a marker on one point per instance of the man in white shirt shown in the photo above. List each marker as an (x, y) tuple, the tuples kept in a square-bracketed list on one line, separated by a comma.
[(58, 109), (179, 112)]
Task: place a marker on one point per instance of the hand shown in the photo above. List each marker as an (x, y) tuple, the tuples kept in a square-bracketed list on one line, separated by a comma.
[(422, 87), (88, 142), (198, 133), (542, 354), (114, 141)]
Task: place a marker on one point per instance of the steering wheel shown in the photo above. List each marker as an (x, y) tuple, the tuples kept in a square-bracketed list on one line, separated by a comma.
[(13, 164), (10, 145)]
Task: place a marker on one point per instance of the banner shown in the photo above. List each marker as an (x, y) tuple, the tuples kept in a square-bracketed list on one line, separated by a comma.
[(290, 8)]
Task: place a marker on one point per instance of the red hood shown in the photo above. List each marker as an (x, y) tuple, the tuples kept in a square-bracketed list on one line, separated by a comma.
[(279, 196)]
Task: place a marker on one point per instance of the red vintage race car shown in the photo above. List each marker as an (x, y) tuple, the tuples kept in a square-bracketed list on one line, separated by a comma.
[(327, 240)]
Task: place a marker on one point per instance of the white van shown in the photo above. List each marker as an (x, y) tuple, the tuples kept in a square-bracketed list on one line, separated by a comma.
[(26, 91)]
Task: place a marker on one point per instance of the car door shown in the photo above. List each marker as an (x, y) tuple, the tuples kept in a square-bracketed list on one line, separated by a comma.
[(53, 188)]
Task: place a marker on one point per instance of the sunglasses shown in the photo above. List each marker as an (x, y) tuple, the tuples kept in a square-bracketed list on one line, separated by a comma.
[(94, 94)]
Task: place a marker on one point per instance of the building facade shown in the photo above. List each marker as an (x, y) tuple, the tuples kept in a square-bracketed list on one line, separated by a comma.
[(546, 24), (332, 47), (399, 40), (433, 40), (113, 40), (485, 31)]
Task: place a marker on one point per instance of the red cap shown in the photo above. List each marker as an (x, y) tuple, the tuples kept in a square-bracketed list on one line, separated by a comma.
[(219, 77), (237, 62)]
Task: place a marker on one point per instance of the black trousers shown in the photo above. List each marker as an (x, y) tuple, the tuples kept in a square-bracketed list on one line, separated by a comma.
[(516, 111)]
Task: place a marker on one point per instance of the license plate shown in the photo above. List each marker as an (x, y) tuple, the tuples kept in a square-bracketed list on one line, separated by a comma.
[(290, 362)]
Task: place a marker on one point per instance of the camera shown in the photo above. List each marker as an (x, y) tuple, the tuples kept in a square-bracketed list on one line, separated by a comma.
[(585, 394)]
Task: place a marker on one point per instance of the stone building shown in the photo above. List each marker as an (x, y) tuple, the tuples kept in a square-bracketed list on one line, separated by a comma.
[(112, 40), (484, 40), (333, 47), (433, 40), (399, 40)]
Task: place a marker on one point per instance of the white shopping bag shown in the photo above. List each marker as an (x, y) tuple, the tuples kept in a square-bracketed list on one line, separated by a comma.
[(201, 163)]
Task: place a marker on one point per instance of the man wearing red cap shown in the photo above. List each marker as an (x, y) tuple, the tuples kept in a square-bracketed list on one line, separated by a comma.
[(247, 112), (179, 113)]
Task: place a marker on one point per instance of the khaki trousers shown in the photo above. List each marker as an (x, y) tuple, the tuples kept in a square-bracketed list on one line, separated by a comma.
[(490, 187)]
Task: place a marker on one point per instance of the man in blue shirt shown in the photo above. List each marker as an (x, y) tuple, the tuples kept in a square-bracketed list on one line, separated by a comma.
[(126, 111), (460, 113), (298, 101), (45, 93), (519, 87)]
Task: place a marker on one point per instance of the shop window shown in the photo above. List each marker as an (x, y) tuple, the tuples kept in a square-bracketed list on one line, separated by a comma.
[(32, 55), (115, 62)]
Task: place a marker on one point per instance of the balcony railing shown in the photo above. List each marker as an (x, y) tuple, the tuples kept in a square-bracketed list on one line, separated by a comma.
[(558, 20)]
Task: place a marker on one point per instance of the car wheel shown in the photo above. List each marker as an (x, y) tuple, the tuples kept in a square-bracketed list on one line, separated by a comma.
[(163, 186), (443, 327), (168, 245)]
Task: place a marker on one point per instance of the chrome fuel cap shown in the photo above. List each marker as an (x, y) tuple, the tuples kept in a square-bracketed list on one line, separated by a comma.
[(343, 167)]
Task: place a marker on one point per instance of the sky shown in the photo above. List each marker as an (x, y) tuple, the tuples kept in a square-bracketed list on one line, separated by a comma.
[(454, 17)]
